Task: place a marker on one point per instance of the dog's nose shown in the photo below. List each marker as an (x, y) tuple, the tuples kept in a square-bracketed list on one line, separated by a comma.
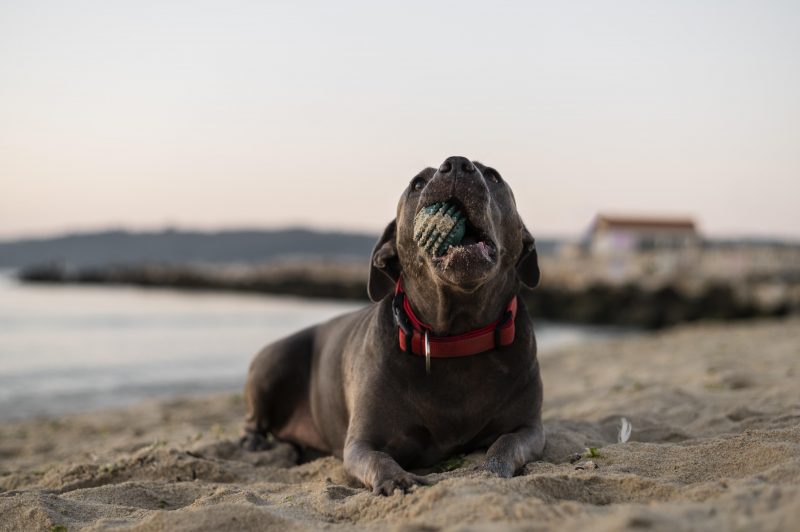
[(456, 165)]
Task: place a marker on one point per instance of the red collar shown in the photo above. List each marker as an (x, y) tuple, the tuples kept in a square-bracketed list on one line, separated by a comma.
[(496, 334)]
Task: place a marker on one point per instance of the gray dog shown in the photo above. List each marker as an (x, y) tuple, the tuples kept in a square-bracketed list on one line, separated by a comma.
[(443, 363)]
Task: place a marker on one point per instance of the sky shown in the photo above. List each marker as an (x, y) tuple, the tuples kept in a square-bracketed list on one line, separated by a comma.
[(215, 115)]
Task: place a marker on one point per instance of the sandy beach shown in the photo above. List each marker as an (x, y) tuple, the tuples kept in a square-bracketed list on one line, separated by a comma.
[(715, 445)]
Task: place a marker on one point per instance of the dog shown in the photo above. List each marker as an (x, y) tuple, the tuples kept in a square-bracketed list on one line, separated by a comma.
[(443, 362)]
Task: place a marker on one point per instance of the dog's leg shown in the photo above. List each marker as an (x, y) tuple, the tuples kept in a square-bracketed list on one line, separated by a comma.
[(254, 436), (512, 451), (277, 386), (256, 398), (377, 470)]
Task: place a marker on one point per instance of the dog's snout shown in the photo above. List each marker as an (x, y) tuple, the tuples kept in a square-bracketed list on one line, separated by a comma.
[(457, 178), (456, 165)]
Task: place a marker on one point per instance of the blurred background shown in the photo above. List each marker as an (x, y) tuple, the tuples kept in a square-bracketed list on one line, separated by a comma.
[(183, 182)]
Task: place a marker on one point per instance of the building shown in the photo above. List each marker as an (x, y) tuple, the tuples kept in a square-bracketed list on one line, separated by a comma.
[(613, 235)]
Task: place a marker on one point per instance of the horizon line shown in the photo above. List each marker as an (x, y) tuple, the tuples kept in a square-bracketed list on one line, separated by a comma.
[(294, 226)]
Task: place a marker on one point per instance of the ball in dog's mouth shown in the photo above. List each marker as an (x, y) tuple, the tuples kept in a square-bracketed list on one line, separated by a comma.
[(439, 226)]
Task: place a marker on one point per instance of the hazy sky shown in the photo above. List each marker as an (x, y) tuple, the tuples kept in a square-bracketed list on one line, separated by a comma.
[(227, 114)]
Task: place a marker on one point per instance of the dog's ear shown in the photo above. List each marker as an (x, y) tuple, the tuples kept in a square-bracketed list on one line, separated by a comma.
[(528, 263), (384, 266)]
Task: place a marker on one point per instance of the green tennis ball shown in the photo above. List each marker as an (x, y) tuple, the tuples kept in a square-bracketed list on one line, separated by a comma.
[(439, 226)]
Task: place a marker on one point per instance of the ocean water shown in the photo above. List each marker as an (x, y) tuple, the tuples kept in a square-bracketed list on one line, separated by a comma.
[(68, 348)]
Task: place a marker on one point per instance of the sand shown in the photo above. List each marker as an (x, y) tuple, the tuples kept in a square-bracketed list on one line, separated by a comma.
[(715, 446)]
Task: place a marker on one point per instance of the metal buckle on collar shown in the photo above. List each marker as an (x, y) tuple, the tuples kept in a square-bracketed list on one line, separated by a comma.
[(401, 320), (427, 354), (500, 324)]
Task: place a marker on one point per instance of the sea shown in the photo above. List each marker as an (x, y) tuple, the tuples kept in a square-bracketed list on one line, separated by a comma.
[(74, 348)]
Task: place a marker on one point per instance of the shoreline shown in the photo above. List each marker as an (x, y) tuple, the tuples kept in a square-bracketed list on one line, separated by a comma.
[(645, 303), (34, 404), (715, 445)]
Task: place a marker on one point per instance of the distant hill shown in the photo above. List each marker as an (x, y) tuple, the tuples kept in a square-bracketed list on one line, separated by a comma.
[(171, 246), (182, 247)]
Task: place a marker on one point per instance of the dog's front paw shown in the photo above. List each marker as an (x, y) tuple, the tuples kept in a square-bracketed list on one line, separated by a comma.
[(404, 482), (253, 442), (501, 468)]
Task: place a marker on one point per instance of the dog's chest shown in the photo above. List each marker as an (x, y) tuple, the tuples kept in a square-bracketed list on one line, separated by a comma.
[(461, 403)]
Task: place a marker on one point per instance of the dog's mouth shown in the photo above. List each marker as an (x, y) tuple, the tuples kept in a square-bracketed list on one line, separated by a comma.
[(445, 232)]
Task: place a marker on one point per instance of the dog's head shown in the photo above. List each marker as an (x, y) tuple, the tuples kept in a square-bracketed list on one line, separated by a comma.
[(495, 246)]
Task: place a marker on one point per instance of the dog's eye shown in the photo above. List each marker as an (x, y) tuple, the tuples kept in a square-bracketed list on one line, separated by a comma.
[(493, 176), (417, 185)]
